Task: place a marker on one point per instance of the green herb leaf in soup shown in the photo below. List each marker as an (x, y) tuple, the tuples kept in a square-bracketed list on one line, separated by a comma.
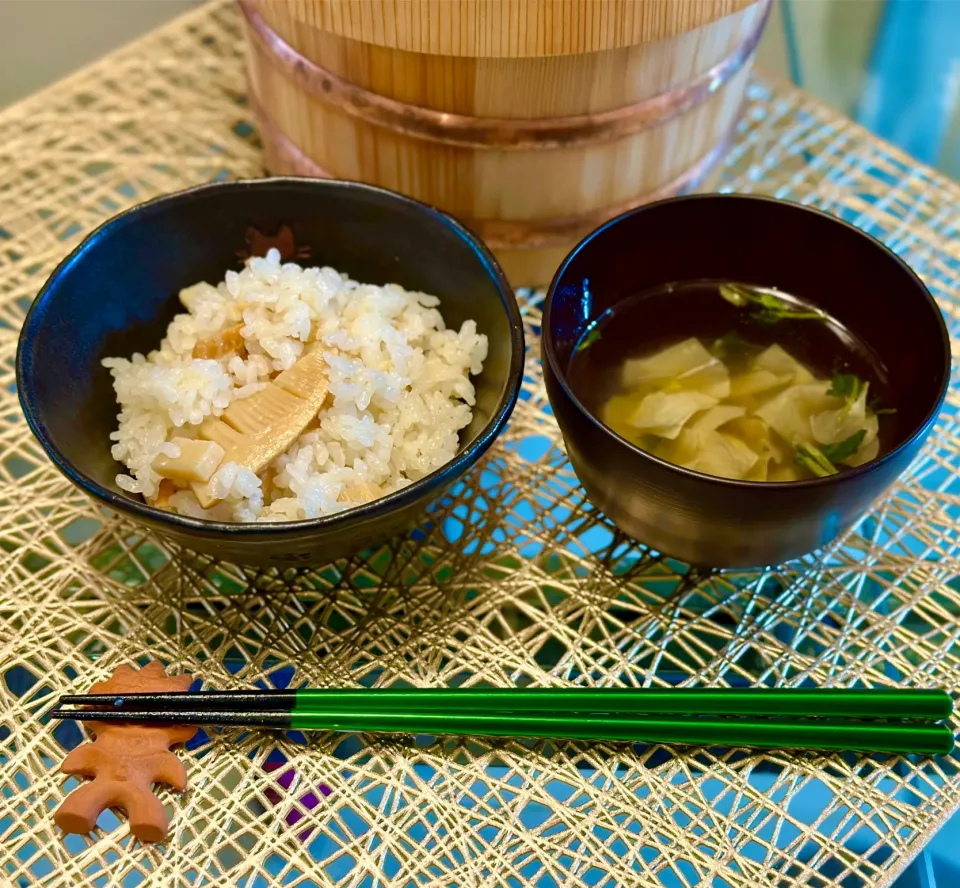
[(844, 449), (766, 306), (814, 461), (847, 385), (728, 344), (876, 406)]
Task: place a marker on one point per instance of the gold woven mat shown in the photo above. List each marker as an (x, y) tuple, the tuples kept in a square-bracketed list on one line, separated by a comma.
[(519, 581)]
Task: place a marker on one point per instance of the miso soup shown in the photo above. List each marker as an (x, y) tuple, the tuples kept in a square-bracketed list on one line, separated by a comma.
[(734, 380)]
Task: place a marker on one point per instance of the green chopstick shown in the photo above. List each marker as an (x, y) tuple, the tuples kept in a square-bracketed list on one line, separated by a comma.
[(887, 703), (902, 737)]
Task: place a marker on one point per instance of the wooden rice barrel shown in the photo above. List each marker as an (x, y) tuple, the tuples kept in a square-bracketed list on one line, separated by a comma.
[(532, 121)]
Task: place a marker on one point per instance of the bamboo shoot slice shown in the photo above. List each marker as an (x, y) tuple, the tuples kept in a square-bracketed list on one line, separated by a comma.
[(303, 377), (165, 490), (362, 492), (226, 437), (267, 409), (255, 430), (197, 461), (220, 345)]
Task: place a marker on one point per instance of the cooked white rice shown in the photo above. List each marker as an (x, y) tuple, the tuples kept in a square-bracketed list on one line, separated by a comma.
[(399, 389)]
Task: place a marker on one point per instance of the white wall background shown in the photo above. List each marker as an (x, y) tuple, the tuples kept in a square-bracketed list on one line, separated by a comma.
[(42, 40)]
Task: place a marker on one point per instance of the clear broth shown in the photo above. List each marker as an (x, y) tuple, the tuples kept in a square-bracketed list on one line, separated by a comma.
[(654, 319)]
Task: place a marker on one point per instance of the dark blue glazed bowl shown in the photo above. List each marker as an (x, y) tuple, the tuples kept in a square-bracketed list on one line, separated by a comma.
[(116, 293), (715, 521)]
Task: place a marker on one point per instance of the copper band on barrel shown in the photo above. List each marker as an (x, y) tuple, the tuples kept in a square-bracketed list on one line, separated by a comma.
[(502, 133), (505, 233)]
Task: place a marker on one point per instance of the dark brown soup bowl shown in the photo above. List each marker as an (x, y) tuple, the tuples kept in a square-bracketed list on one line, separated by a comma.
[(714, 521), (117, 292)]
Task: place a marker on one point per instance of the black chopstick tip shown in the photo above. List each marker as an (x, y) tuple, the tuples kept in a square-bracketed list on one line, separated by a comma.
[(240, 701), (269, 719), (92, 700)]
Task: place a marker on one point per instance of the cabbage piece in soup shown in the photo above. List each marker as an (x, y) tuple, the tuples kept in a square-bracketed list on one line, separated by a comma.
[(765, 417)]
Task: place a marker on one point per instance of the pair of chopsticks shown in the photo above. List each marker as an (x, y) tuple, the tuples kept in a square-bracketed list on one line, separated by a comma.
[(873, 720)]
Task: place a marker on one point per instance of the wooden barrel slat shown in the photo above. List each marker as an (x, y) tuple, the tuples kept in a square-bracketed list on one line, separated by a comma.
[(509, 28), (544, 86), (514, 163)]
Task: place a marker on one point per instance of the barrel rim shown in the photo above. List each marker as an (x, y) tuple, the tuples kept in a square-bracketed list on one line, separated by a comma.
[(497, 133)]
